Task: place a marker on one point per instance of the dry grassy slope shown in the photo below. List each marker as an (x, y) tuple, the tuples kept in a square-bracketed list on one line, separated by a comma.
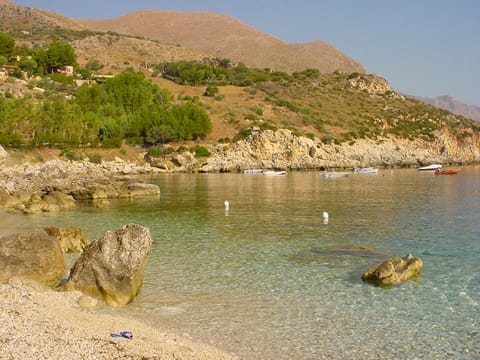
[(239, 107), (225, 37), (116, 53)]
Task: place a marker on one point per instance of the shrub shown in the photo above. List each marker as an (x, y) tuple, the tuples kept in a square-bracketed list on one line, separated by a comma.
[(200, 151), (95, 158)]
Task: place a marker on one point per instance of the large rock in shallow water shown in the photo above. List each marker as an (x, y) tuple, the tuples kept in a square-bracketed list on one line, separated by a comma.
[(34, 255), (112, 267), (394, 271)]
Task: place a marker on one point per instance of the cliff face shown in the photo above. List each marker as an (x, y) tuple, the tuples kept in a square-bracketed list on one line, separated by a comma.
[(283, 150)]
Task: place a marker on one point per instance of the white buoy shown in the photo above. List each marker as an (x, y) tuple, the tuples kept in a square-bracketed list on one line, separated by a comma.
[(325, 217), (227, 205)]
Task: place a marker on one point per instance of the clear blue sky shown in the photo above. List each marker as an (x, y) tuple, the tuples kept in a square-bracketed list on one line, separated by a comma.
[(422, 47)]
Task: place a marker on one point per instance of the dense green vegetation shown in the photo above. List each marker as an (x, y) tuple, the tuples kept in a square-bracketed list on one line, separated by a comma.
[(215, 72), (36, 61), (127, 106)]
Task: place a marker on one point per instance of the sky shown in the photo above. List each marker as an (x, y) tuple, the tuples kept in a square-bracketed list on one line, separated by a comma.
[(421, 47)]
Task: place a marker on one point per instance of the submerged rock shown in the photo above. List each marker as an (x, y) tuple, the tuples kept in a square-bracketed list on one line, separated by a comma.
[(112, 267), (394, 271), (34, 255)]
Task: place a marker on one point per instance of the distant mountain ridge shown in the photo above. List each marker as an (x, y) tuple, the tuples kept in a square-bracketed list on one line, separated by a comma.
[(226, 37), (453, 105)]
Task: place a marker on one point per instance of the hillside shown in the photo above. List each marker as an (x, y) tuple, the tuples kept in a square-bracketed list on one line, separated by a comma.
[(15, 18), (348, 117), (225, 37)]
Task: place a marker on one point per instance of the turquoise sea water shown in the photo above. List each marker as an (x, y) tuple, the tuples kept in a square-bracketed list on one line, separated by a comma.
[(268, 279)]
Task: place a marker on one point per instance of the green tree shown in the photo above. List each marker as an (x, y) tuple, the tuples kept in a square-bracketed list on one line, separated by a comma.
[(41, 58), (28, 65), (60, 54), (130, 91), (7, 45)]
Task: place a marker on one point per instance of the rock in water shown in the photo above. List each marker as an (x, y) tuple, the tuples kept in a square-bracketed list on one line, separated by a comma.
[(34, 255), (394, 271), (112, 267)]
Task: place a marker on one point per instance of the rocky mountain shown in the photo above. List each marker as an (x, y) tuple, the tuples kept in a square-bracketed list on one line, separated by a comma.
[(207, 33), (19, 18), (225, 37), (453, 105)]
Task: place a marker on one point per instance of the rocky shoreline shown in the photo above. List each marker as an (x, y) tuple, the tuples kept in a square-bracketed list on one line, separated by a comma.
[(58, 184)]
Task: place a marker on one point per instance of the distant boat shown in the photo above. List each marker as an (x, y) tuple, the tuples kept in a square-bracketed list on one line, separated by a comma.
[(334, 174), (274, 172), (366, 170), (447, 171), (432, 167), (252, 171)]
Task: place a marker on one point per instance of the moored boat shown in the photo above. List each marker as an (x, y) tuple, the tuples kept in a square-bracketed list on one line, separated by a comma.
[(252, 171), (432, 167), (274, 172), (366, 170), (447, 171)]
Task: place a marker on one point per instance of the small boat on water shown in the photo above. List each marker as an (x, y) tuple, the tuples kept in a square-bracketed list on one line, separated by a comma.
[(334, 174), (432, 167), (252, 171), (446, 171), (274, 172), (366, 170)]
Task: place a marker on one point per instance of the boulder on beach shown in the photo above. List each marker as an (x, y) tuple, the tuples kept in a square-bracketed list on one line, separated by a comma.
[(112, 267), (34, 255), (71, 239), (394, 271)]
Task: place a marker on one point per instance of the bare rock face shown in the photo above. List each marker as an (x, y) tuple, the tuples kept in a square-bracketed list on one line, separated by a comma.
[(394, 271), (112, 267), (34, 255), (71, 239)]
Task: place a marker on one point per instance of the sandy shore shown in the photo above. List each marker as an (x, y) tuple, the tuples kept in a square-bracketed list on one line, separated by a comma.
[(39, 323)]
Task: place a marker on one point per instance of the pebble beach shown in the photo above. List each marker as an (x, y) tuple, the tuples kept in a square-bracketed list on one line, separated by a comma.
[(40, 323)]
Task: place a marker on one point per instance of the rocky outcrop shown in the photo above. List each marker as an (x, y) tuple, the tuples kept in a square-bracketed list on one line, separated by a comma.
[(71, 239), (372, 84), (394, 271), (112, 267), (44, 202), (282, 149), (57, 185), (34, 255), (178, 162), (130, 190)]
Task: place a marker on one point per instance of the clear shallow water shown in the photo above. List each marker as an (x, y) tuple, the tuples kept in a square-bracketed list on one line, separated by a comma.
[(269, 280)]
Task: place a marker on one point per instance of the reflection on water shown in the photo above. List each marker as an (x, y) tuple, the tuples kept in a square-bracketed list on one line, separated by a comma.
[(267, 279)]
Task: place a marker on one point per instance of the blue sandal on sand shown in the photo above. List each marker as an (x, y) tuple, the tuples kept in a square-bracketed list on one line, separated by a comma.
[(123, 334)]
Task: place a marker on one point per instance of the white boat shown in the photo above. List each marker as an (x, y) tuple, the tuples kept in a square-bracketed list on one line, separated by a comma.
[(366, 170), (432, 167), (252, 171), (334, 174), (274, 172)]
